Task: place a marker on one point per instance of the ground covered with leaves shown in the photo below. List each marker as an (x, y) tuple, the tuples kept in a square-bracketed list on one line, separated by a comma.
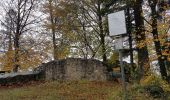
[(75, 90)]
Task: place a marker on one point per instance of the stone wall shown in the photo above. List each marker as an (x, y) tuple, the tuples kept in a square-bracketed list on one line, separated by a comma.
[(68, 69), (19, 78), (74, 69)]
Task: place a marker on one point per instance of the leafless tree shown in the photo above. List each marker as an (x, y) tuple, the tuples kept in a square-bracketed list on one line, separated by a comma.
[(21, 14)]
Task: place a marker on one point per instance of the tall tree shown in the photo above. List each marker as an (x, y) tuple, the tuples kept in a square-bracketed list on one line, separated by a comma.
[(87, 20), (59, 22), (7, 31), (161, 58), (143, 59), (50, 8), (96, 15), (22, 19)]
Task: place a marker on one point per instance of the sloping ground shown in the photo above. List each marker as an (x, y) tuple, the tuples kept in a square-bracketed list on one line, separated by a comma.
[(75, 90)]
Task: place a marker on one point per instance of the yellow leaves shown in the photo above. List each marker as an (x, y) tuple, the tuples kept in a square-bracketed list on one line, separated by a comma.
[(59, 20), (147, 80), (26, 60), (155, 80), (7, 61), (62, 52), (168, 58), (165, 53), (114, 57), (141, 44), (162, 26), (165, 86), (30, 60)]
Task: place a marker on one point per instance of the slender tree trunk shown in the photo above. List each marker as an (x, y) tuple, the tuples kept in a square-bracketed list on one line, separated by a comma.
[(103, 48), (161, 58), (16, 56), (129, 32), (143, 59), (52, 19), (54, 45), (20, 13), (85, 41), (16, 39), (102, 35), (9, 42), (85, 36)]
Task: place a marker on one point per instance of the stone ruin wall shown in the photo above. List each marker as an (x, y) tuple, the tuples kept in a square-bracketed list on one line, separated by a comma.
[(67, 69), (75, 69)]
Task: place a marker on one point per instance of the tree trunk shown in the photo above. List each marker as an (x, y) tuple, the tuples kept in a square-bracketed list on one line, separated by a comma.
[(54, 45), (16, 40), (161, 58), (129, 32), (16, 56), (143, 59), (10, 41), (52, 19), (102, 35)]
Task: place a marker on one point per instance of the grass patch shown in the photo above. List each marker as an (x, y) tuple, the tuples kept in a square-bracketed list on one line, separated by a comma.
[(70, 90)]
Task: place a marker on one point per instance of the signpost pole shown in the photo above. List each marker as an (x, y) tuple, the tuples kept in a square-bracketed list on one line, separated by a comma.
[(122, 75), (117, 27)]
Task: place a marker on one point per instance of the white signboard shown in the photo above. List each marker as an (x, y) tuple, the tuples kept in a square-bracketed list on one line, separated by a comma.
[(117, 23), (121, 43)]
